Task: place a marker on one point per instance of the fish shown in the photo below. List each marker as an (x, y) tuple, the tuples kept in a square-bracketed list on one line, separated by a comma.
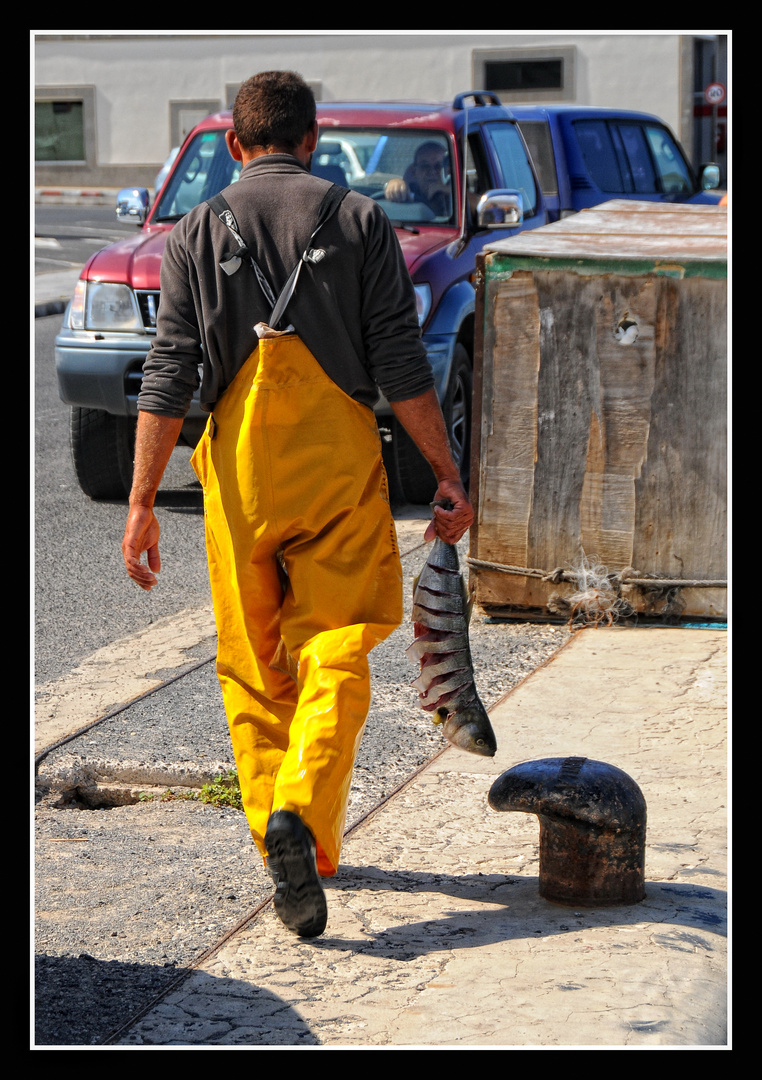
[(446, 686)]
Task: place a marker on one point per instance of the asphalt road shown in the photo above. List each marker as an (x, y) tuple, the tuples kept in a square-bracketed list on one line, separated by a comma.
[(68, 235), (83, 597)]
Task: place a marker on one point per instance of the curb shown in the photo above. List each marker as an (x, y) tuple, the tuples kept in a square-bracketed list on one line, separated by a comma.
[(50, 307), (98, 196)]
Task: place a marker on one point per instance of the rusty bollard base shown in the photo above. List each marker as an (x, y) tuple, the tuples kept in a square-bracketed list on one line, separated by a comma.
[(592, 828)]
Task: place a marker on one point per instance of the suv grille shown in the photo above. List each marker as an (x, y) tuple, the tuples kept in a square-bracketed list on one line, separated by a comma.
[(148, 302)]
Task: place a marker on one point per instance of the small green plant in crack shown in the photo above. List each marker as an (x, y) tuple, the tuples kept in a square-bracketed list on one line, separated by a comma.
[(224, 790)]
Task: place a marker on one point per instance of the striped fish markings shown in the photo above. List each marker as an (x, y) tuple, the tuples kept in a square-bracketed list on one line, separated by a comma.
[(446, 685)]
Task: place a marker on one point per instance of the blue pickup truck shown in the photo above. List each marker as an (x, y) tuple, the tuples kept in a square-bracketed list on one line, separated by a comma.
[(585, 155)]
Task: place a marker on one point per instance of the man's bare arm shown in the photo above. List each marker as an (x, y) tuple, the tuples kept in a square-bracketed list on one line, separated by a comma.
[(154, 442), (422, 419)]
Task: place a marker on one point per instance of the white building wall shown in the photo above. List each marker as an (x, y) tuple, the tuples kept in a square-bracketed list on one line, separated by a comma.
[(135, 77)]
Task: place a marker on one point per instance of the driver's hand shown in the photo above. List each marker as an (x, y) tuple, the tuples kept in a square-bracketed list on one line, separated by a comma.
[(396, 190)]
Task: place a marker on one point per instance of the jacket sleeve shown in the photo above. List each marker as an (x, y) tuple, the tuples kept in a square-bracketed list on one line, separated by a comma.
[(171, 369)]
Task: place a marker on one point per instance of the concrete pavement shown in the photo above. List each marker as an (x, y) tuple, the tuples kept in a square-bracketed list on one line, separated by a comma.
[(437, 936)]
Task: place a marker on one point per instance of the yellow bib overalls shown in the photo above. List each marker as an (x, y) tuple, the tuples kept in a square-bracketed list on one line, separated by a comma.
[(293, 480)]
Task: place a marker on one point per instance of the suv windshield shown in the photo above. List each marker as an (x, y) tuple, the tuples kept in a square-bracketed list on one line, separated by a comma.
[(408, 173)]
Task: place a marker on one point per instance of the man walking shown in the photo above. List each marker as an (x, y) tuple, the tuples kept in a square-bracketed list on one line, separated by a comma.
[(302, 553)]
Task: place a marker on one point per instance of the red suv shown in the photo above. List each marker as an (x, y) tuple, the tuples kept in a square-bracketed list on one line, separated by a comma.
[(450, 177)]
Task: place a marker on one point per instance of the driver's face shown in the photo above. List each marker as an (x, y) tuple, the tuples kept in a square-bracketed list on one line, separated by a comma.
[(428, 170)]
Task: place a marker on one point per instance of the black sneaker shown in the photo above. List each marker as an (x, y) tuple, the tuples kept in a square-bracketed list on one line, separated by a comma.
[(291, 861)]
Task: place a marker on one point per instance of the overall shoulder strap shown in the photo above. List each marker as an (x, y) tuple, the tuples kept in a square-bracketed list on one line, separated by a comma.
[(331, 201), (328, 206), (220, 206)]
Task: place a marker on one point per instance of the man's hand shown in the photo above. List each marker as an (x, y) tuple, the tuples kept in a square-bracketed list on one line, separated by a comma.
[(154, 441), (141, 534), (450, 525)]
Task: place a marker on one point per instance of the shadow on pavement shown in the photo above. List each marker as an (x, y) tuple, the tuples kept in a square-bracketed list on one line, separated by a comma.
[(513, 909), (82, 1001)]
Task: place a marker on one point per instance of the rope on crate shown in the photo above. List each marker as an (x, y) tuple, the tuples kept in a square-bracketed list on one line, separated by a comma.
[(628, 576)]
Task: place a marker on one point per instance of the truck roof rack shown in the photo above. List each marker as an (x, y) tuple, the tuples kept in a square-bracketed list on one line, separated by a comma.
[(480, 97)]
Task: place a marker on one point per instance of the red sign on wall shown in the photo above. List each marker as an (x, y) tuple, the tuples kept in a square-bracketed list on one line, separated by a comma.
[(714, 94)]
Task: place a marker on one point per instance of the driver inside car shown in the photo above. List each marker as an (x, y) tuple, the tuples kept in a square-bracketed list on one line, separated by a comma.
[(423, 181)]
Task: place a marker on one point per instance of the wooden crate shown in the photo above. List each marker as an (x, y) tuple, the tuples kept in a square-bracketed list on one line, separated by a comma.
[(590, 450)]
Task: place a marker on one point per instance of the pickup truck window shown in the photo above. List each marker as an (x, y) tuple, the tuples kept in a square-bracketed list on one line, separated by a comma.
[(512, 158), (638, 158), (597, 146), (632, 158), (670, 163)]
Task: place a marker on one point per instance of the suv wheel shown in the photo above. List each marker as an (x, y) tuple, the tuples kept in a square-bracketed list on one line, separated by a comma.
[(415, 480), (102, 449)]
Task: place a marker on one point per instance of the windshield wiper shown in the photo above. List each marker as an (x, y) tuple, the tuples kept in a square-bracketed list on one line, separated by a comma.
[(169, 217)]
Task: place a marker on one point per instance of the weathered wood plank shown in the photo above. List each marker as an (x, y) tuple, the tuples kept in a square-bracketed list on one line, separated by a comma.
[(680, 527)]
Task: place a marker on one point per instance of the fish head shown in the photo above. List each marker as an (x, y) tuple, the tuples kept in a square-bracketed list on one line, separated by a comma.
[(470, 729)]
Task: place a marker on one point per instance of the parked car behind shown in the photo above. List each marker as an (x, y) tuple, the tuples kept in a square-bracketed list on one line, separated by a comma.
[(585, 156)]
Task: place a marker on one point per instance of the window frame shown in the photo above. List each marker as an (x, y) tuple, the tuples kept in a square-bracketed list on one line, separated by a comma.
[(566, 54)]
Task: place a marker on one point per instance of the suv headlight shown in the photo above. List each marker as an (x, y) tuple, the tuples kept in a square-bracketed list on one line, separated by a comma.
[(423, 302), (101, 305)]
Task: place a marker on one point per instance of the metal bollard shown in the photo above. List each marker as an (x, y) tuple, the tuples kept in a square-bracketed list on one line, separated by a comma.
[(592, 828)]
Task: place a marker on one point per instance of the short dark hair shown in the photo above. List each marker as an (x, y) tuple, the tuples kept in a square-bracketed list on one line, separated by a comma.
[(432, 144), (273, 109)]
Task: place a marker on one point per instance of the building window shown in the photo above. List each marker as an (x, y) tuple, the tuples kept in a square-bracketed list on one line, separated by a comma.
[(59, 131), (526, 75), (64, 125), (523, 75)]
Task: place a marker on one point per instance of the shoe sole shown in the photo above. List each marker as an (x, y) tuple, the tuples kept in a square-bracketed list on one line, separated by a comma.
[(299, 898)]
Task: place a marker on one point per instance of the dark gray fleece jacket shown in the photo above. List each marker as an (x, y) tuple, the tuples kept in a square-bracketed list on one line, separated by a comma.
[(355, 310)]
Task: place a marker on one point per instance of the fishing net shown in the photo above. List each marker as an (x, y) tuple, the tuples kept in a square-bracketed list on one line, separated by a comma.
[(597, 597)]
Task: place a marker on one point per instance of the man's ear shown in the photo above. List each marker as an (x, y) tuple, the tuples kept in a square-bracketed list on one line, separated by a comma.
[(312, 138), (233, 145)]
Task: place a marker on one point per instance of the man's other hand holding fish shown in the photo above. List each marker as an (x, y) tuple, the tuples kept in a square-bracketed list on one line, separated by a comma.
[(423, 420)]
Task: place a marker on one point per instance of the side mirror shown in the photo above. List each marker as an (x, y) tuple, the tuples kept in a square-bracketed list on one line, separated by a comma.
[(132, 205), (710, 177), (500, 209)]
